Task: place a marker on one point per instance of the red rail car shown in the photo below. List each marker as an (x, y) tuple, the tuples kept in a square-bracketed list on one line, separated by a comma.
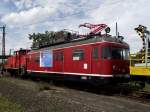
[(101, 59), (15, 62)]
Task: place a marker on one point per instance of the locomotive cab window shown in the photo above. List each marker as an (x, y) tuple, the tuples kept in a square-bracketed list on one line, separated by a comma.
[(119, 53), (95, 53), (106, 53), (126, 54), (78, 54), (116, 53)]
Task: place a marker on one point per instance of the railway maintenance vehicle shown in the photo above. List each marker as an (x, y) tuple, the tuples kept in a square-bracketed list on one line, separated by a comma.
[(140, 62), (95, 57)]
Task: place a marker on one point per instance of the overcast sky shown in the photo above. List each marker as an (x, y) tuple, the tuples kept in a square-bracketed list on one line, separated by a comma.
[(27, 16)]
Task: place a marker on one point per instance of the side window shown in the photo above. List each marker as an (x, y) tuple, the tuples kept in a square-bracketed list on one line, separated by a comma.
[(37, 58), (106, 53), (30, 57), (95, 53), (78, 54), (58, 56)]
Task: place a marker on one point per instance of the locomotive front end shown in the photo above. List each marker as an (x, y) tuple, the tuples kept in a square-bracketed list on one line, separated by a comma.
[(115, 58)]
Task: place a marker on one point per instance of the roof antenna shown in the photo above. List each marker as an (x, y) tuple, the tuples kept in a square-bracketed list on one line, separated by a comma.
[(117, 33)]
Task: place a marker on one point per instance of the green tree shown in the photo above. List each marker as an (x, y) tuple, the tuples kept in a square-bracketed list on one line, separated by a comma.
[(47, 38)]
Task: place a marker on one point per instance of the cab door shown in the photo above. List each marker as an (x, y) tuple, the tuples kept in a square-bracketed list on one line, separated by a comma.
[(78, 60), (58, 61), (106, 60), (96, 62)]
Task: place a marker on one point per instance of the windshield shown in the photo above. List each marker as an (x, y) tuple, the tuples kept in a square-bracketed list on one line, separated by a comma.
[(115, 53)]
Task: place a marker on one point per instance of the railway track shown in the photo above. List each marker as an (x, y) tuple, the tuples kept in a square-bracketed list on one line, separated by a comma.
[(140, 97), (137, 95), (143, 96), (123, 90), (35, 95)]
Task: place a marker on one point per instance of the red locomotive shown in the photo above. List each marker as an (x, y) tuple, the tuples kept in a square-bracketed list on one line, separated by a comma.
[(94, 57)]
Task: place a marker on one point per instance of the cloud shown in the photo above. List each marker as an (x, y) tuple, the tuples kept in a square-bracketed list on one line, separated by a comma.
[(40, 15), (28, 16), (26, 4), (129, 14), (5, 7), (23, 4)]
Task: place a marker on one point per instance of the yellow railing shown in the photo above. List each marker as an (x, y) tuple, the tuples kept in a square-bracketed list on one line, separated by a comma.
[(139, 58), (139, 65)]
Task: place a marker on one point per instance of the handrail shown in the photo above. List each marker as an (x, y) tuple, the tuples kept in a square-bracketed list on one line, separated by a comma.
[(140, 58)]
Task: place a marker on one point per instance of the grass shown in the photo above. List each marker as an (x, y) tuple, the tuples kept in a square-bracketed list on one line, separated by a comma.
[(27, 84), (147, 87), (7, 106), (137, 87), (44, 86)]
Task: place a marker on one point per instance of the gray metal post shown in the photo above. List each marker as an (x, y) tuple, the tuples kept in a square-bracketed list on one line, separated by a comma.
[(146, 53)]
